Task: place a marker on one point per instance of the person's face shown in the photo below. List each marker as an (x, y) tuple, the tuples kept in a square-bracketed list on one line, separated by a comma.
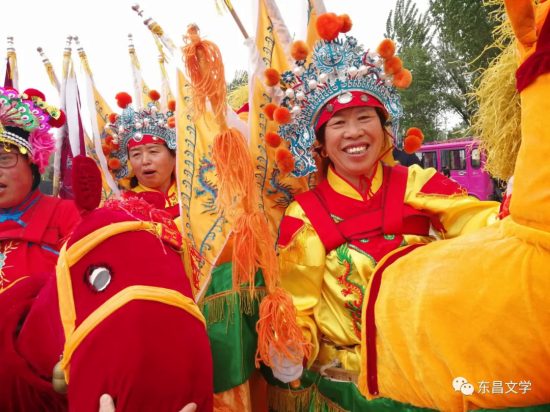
[(353, 141), (15, 181), (153, 165)]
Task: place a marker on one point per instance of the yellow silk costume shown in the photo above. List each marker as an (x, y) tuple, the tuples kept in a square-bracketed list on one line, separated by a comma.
[(314, 279)]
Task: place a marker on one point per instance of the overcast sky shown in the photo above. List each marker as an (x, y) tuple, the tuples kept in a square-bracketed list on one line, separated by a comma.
[(103, 27)]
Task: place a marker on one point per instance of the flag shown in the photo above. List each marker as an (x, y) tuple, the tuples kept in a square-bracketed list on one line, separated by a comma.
[(141, 90), (269, 51), (50, 70), (99, 119), (12, 70), (165, 92), (62, 186), (314, 9), (207, 231)]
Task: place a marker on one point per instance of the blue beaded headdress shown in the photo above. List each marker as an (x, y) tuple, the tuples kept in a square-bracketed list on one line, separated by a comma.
[(336, 70), (133, 125)]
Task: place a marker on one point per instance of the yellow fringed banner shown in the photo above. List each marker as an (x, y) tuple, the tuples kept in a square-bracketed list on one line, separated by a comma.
[(12, 57)]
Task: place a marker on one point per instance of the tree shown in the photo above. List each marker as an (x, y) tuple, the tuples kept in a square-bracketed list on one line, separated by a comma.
[(464, 32), (412, 33)]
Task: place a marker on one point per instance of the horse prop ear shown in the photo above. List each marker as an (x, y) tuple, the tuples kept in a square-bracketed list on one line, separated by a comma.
[(87, 184)]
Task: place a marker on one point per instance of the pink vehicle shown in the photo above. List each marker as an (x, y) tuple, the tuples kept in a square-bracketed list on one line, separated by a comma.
[(464, 160)]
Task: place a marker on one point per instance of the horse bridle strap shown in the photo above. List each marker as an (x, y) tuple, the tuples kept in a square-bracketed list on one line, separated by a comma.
[(69, 257), (150, 293)]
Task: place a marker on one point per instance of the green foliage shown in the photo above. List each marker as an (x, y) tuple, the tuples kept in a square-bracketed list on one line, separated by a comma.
[(446, 49), (411, 31), (464, 33)]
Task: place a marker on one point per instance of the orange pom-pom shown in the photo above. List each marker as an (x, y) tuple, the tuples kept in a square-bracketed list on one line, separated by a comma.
[(347, 23), (114, 146), (299, 50), (172, 122), (106, 149), (412, 144), (329, 26), (282, 115), (285, 161), (172, 105), (272, 139), (415, 131), (386, 49), (109, 139), (402, 79), (123, 99), (393, 65), (114, 164), (112, 117), (269, 109), (272, 77), (154, 95)]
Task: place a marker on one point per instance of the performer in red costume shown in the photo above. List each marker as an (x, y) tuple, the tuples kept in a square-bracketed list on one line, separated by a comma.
[(32, 225), (141, 149)]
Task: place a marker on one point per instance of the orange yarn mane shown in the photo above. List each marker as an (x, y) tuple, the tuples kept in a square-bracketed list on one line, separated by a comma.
[(204, 66)]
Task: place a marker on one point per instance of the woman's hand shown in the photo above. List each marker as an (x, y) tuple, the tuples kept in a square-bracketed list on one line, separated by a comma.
[(106, 404)]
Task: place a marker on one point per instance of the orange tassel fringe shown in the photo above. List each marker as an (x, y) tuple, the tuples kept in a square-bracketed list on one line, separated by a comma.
[(204, 66), (277, 329), (231, 156), (253, 247)]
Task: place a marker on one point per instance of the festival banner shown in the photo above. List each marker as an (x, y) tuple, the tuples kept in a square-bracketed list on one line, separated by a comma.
[(99, 119), (207, 231), (12, 70), (276, 190), (141, 90)]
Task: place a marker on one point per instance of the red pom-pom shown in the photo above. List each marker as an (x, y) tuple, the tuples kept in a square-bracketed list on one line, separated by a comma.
[(329, 25), (285, 161), (106, 149), (112, 117), (402, 79), (415, 131), (272, 77), (154, 95), (386, 49), (172, 122), (123, 99), (281, 115), (412, 144), (272, 139), (59, 122), (299, 50), (393, 65), (172, 105), (34, 93), (114, 164), (114, 146), (347, 23), (269, 109), (109, 139)]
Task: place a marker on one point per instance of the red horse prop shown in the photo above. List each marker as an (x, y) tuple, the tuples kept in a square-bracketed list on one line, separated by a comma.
[(120, 311)]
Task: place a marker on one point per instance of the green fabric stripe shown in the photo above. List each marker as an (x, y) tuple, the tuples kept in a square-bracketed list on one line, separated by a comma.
[(233, 340), (348, 397)]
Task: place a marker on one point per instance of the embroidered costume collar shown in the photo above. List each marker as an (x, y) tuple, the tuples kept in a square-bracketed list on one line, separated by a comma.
[(346, 188), (14, 213)]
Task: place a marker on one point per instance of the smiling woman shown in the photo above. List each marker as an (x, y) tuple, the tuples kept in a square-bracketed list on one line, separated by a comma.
[(333, 237)]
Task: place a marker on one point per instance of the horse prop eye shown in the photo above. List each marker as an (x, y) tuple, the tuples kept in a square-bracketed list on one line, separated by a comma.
[(99, 279)]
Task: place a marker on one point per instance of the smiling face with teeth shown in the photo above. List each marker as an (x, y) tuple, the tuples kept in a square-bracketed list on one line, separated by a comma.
[(353, 141)]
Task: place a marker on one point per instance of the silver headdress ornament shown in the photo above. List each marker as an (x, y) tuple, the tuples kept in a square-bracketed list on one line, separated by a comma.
[(336, 70), (135, 125)]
